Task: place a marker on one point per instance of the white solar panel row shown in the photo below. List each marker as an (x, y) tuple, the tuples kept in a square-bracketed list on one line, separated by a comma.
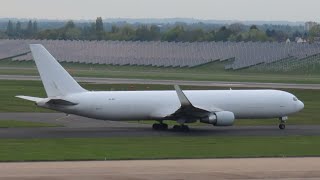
[(165, 54)]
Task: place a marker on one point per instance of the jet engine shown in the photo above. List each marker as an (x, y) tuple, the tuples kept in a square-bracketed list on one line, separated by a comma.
[(222, 118)]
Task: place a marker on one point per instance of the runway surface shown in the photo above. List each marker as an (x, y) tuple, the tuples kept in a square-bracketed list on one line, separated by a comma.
[(253, 168), (173, 82), (76, 127)]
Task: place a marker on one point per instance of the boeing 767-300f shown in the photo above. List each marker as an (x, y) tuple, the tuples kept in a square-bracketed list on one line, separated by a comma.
[(216, 107)]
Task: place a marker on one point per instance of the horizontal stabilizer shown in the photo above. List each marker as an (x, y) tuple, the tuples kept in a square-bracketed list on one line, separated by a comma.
[(60, 102), (47, 101), (29, 98)]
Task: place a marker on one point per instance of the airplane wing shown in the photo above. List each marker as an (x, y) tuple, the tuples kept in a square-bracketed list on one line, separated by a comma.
[(187, 110)]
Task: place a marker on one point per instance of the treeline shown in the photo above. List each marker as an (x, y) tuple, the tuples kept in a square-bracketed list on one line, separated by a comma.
[(15, 30), (150, 32)]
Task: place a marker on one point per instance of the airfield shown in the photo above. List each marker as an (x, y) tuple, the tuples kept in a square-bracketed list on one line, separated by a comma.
[(78, 139), (173, 82), (283, 168), (81, 127)]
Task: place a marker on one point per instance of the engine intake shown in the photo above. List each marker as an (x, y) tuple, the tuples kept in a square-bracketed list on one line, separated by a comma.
[(222, 118)]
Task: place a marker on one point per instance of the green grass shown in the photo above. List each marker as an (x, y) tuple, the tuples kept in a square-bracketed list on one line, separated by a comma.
[(24, 124), (156, 148), (212, 71)]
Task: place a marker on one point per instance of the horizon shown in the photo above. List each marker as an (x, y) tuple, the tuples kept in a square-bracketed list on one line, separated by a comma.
[(166, 20), (227, 10)]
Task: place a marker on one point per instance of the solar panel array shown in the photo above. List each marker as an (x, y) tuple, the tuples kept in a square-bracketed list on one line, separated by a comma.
[(162, 54)]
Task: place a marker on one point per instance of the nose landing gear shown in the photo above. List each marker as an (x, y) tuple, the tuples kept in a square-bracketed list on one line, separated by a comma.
[(282, 122), (282, 126)]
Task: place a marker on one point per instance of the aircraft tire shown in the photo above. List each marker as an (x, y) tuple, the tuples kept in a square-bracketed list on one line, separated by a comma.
[(156, 126), (185, 128), (176, 128), (164, 127), (282, 126)]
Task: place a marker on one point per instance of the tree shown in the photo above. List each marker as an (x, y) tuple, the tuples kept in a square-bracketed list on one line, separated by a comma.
[(114, 29), (99, 28), (69, 25), (30, 29), (99, 24), (192, 36), (254, 35), (143, 33), (174, 34), (72, 34), (237, 28), (223, 34), (254, 27), (127, 33), (70, 31), (314, 32), (155, 32), (48, 34), (18, 29), (3, 35), (10, 29), (35, 27)]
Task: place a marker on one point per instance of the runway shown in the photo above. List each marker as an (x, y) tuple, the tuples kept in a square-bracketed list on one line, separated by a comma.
[(173, 82), (80, 127), (252, 168)]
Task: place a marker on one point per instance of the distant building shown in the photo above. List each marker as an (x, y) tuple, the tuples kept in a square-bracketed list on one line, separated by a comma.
[(300, 40), (309, 25)]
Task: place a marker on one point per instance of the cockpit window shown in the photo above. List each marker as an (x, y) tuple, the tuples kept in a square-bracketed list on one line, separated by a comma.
[(295, 99)]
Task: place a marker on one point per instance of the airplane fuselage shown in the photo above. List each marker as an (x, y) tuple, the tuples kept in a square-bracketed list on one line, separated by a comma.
[(154, 105)]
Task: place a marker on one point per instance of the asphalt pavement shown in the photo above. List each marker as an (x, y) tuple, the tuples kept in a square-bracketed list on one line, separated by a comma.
[(80, 127), (173, 82)]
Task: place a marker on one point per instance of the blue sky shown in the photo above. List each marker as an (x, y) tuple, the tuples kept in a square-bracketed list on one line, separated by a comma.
[(268, 10)]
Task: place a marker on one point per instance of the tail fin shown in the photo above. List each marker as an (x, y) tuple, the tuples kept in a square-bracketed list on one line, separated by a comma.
[(56, 80)]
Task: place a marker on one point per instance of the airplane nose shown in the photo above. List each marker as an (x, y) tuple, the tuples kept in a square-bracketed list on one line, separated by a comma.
[(300, 105)]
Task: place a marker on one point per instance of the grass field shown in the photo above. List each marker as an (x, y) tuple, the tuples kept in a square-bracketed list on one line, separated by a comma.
[(156, 148), (24, 124), (212, 71), (9, 89)]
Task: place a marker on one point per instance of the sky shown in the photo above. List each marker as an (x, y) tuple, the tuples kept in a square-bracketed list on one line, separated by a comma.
[(251, 10)]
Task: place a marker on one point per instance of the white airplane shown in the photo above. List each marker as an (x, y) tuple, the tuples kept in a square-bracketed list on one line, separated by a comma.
[(216, 107)]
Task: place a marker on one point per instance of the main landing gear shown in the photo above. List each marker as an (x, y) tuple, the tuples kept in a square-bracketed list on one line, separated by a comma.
[(160, 126), (182, 128), (282, 122), (164, 127)]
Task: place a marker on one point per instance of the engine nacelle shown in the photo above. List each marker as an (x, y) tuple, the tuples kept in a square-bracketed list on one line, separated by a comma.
[(222, 118)]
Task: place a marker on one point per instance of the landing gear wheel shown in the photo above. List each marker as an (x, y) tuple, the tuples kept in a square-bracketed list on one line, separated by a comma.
[(164, 126), (176, 128), (182, 128), (161, 126), (156, 126), (282, 126), (283, 120), (185, 128)]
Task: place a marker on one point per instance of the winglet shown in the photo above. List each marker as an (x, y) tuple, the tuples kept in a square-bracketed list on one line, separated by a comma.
[(182, 97)]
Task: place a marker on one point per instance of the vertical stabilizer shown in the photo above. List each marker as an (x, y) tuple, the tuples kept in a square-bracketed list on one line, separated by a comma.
[(56, 80)]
